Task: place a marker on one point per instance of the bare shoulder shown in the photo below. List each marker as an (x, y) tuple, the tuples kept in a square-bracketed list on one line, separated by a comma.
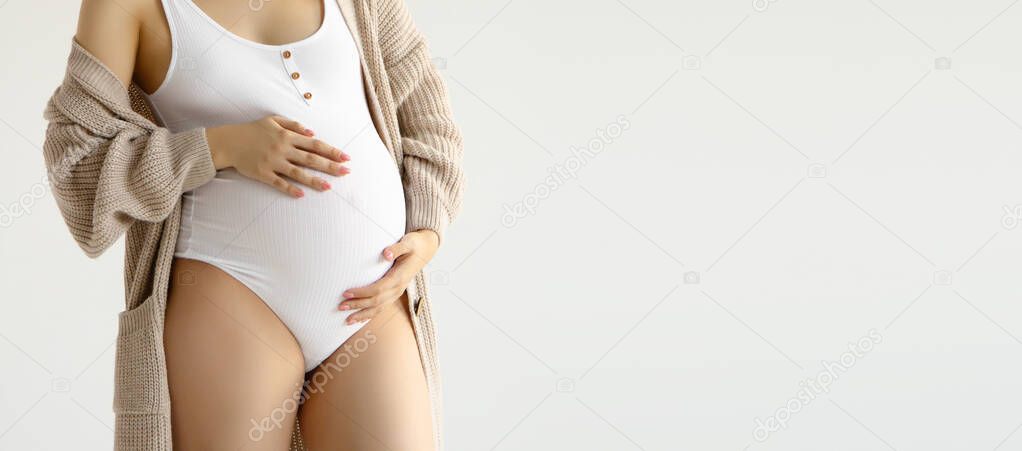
[(109, 29)]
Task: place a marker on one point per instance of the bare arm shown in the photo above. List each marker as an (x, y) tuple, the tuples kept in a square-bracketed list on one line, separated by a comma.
[(109, 30)]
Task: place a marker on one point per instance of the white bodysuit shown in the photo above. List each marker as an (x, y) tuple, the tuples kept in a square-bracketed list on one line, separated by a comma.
[(298, 255)]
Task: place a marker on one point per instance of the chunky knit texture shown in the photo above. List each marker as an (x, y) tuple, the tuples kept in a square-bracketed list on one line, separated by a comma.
[(115, 171)]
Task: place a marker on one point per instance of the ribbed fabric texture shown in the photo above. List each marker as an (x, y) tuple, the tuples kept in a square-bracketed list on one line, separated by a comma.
[(114, 171), (297, 275)]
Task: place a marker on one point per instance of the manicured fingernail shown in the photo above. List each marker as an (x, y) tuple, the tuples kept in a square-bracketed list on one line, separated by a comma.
[(299, 193), (345, 171), (343, 307), (345, 157), (388, 254), (348, 295), (325, 185), (309, 131)]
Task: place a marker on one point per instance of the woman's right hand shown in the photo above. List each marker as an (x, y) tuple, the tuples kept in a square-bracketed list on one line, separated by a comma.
[(272, 148)]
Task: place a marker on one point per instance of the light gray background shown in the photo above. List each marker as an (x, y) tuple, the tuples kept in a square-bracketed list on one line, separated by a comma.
[(819, 169)]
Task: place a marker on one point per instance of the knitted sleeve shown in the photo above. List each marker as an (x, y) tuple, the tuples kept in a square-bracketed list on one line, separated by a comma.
[(430, 140), (108, 166)]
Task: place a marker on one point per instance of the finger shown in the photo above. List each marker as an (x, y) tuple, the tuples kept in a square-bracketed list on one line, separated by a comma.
[(396, 250), (292, 125), (321, 148), (313, 161), (366, 291), (297, 174), (358, 304), (363, 315), (281, 185)]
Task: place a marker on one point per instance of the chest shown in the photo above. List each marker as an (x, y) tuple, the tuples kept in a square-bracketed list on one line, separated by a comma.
[(291, 20), (216, 76), (271, 22), (260, 22)]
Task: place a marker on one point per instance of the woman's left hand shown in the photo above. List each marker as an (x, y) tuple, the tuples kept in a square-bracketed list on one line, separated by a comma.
[(409, 255)]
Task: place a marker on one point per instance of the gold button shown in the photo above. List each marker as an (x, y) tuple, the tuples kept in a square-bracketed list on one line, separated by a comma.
[(287, 54), (308, 95), (295, 75)]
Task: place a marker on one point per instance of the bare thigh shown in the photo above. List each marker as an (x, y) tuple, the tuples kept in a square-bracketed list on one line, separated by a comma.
[(234, 369), (371, 394)]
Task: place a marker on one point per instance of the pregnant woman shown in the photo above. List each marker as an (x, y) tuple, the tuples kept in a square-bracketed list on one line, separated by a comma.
[(283, 170)]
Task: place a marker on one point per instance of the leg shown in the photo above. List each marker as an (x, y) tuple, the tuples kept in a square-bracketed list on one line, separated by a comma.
[(232, 365), (371, 394)]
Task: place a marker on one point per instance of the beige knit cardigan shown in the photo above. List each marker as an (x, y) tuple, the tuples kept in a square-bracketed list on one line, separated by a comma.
[(114, 170)]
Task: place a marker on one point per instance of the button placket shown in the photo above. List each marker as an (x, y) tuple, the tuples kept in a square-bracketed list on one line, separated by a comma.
[(288, 58)]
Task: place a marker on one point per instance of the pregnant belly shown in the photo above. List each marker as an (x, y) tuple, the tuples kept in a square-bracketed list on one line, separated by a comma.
[(307, 250)]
